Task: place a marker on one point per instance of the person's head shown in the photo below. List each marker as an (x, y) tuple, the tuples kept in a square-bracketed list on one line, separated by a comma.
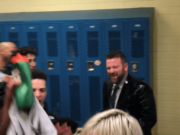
[(112, 122), (30, 53), (70, 122), (39, 84), (6, 51), (116, 66)]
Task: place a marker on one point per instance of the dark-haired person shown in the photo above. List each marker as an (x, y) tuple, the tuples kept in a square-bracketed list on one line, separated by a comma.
[(123, 91), (70, 123), (30, 53), (39, 86)]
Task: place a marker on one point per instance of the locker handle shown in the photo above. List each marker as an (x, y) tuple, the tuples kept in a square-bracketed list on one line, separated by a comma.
[(134, 66), (50, 65), (70, 65), (90, 65)]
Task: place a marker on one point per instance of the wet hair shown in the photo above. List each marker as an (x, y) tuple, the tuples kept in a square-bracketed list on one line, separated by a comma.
[(38, 74), (112, 122), (71, 123), (116, 54), (26, 50)]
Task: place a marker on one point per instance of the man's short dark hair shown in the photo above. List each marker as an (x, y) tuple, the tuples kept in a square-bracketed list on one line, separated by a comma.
[(116, 54), (38, 74), (26, 50)]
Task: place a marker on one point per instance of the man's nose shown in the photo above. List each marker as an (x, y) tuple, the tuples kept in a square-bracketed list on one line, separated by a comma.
[(111, 70), (37, 94)]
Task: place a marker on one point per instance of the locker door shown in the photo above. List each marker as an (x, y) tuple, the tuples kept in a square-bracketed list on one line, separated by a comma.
[(31, 38), (12, 34), (52, 65), (113, 40), (138, 49), (72, 92), (1, 34), (92, 57)]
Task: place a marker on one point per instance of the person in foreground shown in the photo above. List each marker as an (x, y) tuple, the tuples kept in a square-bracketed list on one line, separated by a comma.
[(125, 92), (112, 122)]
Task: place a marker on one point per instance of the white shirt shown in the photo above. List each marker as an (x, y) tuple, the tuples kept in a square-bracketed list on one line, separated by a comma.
[(118, 91), (36, 122)]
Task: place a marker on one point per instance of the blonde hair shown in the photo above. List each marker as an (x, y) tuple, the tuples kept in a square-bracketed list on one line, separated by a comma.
[(112, 122)]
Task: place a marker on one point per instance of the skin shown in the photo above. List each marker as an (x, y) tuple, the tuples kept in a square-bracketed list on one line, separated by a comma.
[(5, 120), (32, 60), (39, 89), (63, 130), (6, 51), (116, 69)]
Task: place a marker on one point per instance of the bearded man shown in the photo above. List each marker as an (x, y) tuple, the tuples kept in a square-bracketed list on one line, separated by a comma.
[(123, 91)]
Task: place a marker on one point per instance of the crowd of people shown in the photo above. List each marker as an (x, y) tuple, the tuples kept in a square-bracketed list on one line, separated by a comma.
[(128, 103)]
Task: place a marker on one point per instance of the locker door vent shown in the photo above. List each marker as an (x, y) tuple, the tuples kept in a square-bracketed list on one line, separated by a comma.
[(55, 95), (93, 44), (14, 37), (52, 45), (72, 44), (137, 44), (74, 88), (114, 40), (94, 94), (33, 41)]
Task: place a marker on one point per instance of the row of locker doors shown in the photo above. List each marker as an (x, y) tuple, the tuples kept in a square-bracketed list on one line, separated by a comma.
[(73, 55)]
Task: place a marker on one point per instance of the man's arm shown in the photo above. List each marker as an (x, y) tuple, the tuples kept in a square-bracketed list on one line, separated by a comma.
[(5, 120), (148, 108)]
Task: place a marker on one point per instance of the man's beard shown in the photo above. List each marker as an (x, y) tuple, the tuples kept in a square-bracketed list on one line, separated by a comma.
[(119, 78)]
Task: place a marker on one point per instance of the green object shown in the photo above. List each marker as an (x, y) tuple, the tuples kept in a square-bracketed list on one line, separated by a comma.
[(24, 92)]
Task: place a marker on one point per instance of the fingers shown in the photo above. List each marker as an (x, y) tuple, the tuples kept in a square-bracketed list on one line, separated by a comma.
[(63, 130), (10, 87), (7, 78)]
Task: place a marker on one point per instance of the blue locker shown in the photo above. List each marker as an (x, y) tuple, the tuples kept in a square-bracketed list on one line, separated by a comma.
[(31, 38), (12, 34), (113, 40), (1, 33), (137, 40), (52, 65), (72, 74), (92, 65)]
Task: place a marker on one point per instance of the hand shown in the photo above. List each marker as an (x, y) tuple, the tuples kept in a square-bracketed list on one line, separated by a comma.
[(63, 130), (10, 87), (6, 78)]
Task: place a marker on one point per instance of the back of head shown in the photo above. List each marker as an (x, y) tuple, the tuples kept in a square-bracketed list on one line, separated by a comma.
[(116, 54), (26, 50), (38, 74), (112, 122)]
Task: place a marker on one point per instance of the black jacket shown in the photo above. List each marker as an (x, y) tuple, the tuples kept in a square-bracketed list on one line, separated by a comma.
[(137, 99)]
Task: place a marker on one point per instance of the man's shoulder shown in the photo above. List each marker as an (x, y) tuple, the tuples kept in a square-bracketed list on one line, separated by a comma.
[(136, 82)]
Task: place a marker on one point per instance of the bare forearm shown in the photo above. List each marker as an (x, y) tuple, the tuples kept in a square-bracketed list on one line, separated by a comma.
[(5, 120)]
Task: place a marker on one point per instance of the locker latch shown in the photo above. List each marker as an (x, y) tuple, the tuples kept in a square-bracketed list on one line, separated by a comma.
[(70, 65), (90, 65), (50, 65), (134, 66)]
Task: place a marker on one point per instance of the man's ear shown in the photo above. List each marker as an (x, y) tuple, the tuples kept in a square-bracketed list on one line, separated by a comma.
[(126, 67)]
